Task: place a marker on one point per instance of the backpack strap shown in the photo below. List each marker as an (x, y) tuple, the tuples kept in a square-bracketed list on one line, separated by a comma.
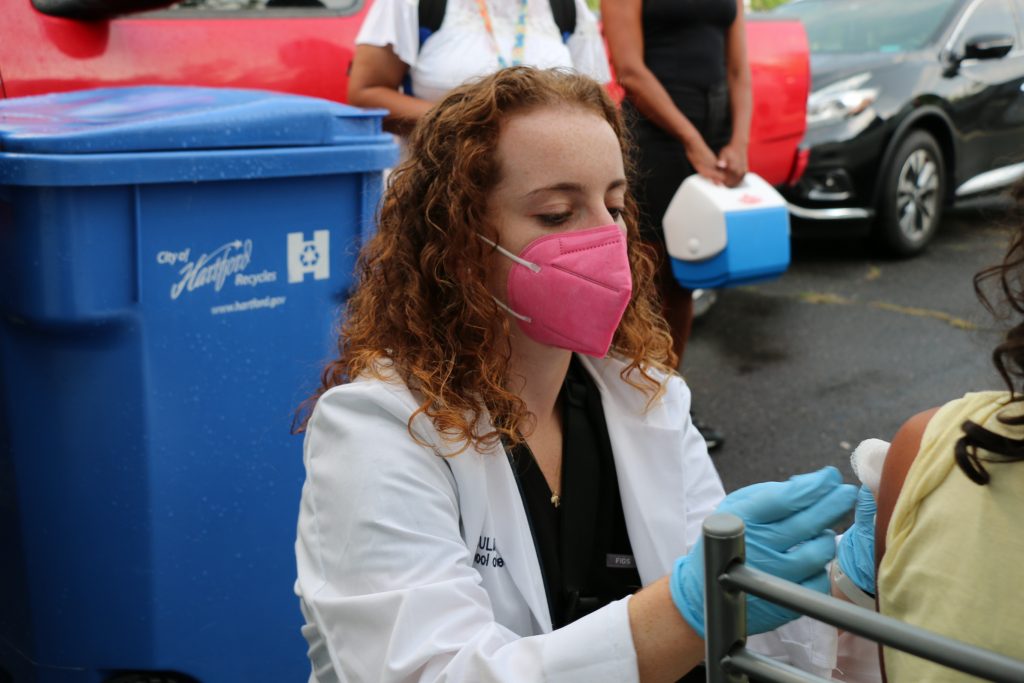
[(431, 17), (564, 12), (431, 14)]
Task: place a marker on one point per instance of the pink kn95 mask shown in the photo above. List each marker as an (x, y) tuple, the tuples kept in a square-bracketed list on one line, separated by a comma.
[(570, 289)]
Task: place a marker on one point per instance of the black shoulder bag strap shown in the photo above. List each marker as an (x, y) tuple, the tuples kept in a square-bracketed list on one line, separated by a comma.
[(432, 16), (564, 12)]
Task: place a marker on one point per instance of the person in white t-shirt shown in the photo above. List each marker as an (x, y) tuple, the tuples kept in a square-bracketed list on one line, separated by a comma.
[(476, 37)]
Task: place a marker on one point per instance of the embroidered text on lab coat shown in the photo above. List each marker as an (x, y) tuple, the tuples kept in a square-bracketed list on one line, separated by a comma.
[(487, 554)]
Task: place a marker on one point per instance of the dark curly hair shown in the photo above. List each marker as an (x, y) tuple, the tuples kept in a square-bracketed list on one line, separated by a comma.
[(421, 308), (1008, 356)]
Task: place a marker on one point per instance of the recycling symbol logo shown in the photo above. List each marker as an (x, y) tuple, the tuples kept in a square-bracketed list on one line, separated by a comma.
[(310, 255)]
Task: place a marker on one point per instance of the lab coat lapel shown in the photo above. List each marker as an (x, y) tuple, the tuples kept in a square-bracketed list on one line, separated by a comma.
[(648, 464), (652, 495), (488, 490), (515, 540)]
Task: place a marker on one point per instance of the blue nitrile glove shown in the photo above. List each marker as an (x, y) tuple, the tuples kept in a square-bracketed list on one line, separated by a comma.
[(857, 546), (787, 535)]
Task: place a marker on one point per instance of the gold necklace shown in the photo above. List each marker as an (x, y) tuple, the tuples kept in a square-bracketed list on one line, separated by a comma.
[(556, 500)]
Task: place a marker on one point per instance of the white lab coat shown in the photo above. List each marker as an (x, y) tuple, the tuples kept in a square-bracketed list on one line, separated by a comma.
[(415, 567)]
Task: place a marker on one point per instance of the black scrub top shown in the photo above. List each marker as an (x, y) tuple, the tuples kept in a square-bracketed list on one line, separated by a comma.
[(583, 547), (582, 544)]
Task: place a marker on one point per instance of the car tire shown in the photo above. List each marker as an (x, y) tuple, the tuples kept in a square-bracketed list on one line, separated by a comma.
[(912, 196)]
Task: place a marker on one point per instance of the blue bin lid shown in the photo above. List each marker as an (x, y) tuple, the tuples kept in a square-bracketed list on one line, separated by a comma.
[(172, 118), (165, 134)]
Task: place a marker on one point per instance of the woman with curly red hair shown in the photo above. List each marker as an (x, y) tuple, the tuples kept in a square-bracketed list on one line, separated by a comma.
[(502, 482)]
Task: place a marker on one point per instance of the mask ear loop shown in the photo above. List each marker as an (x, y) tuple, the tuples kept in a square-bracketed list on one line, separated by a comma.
[(505, 252), (523, 262), (524, 318)]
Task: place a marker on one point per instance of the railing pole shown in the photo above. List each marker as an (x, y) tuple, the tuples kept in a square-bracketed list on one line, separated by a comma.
[(725, 611)]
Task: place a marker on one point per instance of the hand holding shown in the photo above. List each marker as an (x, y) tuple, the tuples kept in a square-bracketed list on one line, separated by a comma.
[(857, 546), (787, 535), (732, 161), (704, 161)]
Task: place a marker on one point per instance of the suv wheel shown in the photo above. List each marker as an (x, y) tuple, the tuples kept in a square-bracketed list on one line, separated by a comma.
[(912, 198)]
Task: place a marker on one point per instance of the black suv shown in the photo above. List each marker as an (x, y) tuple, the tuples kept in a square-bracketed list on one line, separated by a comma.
[(914, 104)]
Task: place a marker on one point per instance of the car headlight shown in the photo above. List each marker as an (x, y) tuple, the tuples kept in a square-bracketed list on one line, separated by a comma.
[(840, 100)]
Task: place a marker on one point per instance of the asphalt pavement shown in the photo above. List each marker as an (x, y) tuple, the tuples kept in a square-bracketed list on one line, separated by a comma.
[(845, 346)]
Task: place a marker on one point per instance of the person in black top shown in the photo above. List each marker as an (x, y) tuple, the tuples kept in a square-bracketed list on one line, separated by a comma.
[(581, 533), (683, 65)]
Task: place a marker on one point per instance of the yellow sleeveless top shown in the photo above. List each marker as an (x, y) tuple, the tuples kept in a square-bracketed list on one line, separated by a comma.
[(954, 559)]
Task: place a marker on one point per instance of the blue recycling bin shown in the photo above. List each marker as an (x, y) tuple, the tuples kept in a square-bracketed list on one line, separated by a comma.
[(172, 265)]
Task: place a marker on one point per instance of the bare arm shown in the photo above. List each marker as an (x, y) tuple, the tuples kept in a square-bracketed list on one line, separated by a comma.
[(902, 454), (666, 646), (733, 157), (377, 73), (624, 31)]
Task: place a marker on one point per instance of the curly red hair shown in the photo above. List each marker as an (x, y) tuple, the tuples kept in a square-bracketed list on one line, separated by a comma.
[(422, 308)]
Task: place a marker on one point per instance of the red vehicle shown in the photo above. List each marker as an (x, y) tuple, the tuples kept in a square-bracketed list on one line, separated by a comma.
[(781, 77), (291, 46)]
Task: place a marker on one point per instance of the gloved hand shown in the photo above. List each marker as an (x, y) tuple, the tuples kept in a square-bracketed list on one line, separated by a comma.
[(857, 546), (787, 535)]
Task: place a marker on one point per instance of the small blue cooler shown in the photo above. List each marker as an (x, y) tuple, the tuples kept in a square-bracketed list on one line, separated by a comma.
[(172, 264), (720, 237)]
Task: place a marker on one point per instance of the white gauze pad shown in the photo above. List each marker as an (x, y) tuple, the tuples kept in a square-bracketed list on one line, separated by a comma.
[(867, 460)]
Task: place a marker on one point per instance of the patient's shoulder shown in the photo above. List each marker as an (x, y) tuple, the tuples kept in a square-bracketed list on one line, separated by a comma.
[(902, 452)]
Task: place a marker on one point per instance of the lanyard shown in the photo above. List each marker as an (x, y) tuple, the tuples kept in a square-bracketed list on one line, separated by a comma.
[(520, 41)]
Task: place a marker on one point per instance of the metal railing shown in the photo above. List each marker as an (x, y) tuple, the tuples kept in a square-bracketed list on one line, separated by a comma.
[(729, 661)]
